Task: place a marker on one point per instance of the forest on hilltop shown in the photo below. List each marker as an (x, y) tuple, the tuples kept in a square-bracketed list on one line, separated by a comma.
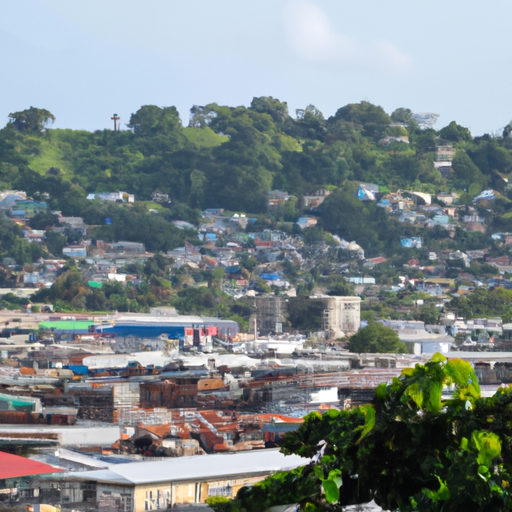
[(230, 157)]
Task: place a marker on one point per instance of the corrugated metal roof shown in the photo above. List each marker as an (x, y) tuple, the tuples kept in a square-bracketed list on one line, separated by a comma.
[(194, 468)]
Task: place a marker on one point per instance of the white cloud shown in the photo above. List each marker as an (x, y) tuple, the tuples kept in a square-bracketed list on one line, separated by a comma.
[(389, 55), (312, 38), (311, 35)]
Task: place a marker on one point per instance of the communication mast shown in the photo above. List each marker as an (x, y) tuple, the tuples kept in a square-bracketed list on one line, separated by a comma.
[(116, 119)]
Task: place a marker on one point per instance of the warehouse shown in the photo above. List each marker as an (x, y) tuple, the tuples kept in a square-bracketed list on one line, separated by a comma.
[(160, 484)]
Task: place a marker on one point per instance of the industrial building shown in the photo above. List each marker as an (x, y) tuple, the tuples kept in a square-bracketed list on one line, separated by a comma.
[(162, 484), (152, 326)]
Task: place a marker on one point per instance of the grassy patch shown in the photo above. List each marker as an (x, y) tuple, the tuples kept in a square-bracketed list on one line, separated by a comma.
[(204, 137), (151, 205), (49, 154)]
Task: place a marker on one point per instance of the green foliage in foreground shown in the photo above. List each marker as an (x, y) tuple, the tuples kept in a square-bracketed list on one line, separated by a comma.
[(412, 449)]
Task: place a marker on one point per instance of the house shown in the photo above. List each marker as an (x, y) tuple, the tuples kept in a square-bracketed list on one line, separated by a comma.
[(473, 218), (367, 192), (27, 208), (75, 251), (306, 222), (125, 248), (448, 199), (371, 262), (497, 282), (122, 197), (431, 209), (162, 484), (277, 198), (445, 153), (414, 242), (34, 235), (458, 255), (361, 280), (74, 223), (445, 168), (316, 199), (8, 199), (444, 157), (486, 195)]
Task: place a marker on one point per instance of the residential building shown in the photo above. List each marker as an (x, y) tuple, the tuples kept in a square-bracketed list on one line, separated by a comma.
[(486, 195), (445, 153), (75, 223), (367, 192), (316, 199), (342, 315), (306, 222), (75, 251), (123, 197), (277, 198), (26, 208)]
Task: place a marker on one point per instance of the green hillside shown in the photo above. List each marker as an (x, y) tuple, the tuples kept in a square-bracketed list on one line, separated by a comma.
[(230, 157)]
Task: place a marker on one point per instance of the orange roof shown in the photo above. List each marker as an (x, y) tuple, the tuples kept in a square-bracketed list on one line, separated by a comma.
[(284, 419)]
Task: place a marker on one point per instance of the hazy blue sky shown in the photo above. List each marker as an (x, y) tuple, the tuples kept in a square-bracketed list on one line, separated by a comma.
[(86, 59)]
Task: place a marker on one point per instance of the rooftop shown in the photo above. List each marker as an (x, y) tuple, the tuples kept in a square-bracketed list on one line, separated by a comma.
[(193, 468), (13, 466)]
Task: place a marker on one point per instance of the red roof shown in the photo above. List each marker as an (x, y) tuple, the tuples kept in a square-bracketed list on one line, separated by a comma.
[(13, 466)]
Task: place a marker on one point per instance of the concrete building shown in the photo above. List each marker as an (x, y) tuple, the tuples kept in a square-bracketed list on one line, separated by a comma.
[(161, 484), (342, 315)]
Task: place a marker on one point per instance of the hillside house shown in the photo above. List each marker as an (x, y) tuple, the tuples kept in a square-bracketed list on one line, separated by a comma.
[(316, 199), (74, 223), (277, 198), (367, 192), (26, 208), (306, 222), (122, 197)]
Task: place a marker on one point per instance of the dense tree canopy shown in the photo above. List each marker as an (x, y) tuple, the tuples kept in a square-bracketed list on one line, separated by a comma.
[(375, 338), (32, 120)]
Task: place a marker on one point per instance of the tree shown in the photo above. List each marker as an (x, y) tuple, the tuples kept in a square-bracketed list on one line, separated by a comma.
[(269, 105), (371, 118), (43, 220), (402, 115), (32, 120), (455, 133), (410, 450), (376, 338), (467, 173), (55, 242), (151, 120)]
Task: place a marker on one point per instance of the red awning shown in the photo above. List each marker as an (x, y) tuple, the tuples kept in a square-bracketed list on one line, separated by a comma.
[(13, 466)]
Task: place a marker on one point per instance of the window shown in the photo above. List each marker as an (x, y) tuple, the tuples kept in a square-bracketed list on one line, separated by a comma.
[(220, 491), (156, 500)]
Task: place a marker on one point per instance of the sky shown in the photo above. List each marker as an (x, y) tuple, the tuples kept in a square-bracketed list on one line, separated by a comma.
[(84, 60)]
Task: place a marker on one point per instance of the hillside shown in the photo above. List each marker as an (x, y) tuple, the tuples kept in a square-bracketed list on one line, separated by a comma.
[(230, 157)]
